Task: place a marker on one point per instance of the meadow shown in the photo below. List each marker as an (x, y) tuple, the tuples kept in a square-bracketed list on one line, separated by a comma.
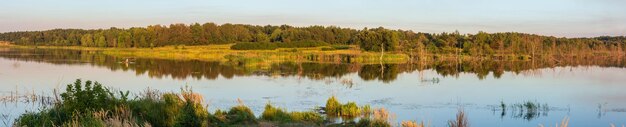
[(223, 53)]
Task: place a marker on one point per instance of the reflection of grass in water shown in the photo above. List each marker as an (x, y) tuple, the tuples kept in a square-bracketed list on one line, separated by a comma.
[(28, 97), (527, 110)]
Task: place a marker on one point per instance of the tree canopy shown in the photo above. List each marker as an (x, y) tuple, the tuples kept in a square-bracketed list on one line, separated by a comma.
[(405, 41)]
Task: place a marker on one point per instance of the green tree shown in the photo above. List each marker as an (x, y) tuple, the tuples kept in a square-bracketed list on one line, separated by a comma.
[(124, 40), (87, 40), (100, 40), (261, 37)]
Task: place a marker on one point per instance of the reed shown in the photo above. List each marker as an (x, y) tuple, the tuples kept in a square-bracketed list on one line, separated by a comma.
[(460, 121)]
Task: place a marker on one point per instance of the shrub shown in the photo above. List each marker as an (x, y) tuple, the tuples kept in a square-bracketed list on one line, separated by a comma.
[(90, 98), (272, 113), (381, 119), (340, 47), (309, 116), (275, 114), (302, 44), (44, 118), (350, 110), (192, 114), (240, 114), (254, 46), (219, 118), (336, 47), (275, 45), (364, 123), (333, 106)]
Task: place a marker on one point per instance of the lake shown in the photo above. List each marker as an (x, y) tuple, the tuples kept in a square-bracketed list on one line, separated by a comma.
[(590, 92)]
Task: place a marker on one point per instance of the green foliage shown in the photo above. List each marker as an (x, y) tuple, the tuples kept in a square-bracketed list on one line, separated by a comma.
[(275, 114), (336, 47), (333, 107), (218, 118), (308, 117), (378, 39), (272, 113), (191, 115), (44, 118), (275, 45), (374, 40), (341, 47), (87, 40), (241, 114), (302, 44), (350, 110), (90, 98), (261, 37), (160, 112), (254, 46)]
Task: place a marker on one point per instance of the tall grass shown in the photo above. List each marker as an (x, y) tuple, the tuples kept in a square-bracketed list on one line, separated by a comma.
[(460, 121), (275, 114), (347, 111), (412, 124)]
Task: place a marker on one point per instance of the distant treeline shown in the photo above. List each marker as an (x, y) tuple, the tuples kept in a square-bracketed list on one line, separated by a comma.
[(367, 39)]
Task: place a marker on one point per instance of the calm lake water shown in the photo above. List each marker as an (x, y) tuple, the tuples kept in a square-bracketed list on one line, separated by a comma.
[(589, 92)]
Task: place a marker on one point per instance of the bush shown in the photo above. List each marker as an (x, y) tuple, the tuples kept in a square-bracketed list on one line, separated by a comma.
[(275, 45), (333, 106), (90, 98), (349, 110), (241, 115), (218, 118), (302, 44), (275, 114), (44, 118), (254, 46), (340, 47), (309, 117), (336, 47), (191, 115)]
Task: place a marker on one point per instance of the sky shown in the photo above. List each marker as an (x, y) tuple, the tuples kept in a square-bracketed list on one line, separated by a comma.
[(561, 18)]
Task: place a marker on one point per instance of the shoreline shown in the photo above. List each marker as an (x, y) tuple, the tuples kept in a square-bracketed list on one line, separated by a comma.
[(223, 53)]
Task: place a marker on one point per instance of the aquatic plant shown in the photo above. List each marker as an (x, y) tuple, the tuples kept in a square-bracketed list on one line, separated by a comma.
[(274, 114), (333, 106), (412, 124), (460, 121)]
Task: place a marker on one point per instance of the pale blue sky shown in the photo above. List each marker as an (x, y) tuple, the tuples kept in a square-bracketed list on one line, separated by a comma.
[(569, 18)]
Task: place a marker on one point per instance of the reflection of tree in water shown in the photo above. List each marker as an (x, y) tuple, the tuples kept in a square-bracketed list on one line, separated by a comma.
[(373, 71), (183, 69)]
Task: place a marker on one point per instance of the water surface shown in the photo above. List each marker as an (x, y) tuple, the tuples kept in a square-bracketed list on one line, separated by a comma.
[(589, 92)]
